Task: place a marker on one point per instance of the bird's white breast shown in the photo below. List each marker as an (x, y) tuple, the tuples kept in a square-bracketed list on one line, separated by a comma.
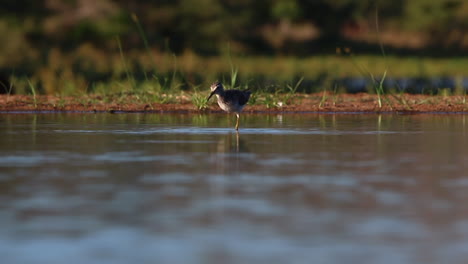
[(225, 106)]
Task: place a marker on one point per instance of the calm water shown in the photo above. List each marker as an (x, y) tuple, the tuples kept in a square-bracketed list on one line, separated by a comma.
[(149, 188)]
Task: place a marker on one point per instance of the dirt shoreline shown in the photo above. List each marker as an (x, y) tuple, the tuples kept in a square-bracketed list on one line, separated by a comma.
[(301, 103)]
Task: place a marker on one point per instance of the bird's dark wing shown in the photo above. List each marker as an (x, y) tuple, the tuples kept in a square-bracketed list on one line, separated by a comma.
[(238, 96), (244, 97)]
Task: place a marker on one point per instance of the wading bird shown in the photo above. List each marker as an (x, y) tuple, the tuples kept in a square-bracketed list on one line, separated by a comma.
[(231, 101)]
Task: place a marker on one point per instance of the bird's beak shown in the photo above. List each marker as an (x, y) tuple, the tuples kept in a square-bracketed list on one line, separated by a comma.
[(213, 92)]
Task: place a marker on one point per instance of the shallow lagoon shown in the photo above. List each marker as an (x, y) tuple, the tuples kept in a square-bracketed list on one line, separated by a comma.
[(176, 188)]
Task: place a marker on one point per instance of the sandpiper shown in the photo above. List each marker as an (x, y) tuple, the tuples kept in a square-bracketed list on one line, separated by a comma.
[(231, 101)]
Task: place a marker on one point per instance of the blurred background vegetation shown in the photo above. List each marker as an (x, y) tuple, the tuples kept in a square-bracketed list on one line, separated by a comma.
[(83, 46)]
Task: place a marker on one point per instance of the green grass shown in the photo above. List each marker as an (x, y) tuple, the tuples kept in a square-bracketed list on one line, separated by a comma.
[(33, 92), (147, 76), (6, 88), (128, 73), (291, 91), (199, 100), (231, 84)]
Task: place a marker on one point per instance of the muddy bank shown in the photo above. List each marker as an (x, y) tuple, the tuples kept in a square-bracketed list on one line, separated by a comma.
[(297, 103)]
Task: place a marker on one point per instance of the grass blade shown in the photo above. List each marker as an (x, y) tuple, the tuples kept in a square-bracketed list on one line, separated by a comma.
[(130, 77), (33, 91)]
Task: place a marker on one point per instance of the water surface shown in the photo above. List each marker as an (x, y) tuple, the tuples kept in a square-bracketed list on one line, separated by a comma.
[(175, 188)]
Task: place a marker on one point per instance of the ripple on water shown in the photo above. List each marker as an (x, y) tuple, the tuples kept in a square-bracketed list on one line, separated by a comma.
[(135, 156), (315, 181), (167, 178), (235, 245), (223, 131), (27, 159)]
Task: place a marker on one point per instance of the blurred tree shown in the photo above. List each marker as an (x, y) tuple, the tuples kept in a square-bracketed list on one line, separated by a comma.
[(202, 25), (445, 21), (207, 26), (286, 10), (22, 8)]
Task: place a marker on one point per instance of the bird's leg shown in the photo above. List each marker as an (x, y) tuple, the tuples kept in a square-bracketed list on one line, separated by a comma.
[(237, 122), (237, 141)]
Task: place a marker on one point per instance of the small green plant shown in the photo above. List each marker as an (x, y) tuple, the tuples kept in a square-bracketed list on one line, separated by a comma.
[(234, 70), (145, 41), (324, 96), (130, 77), (33, 91), (400, 97), (464, 97), (61, 103), (233, 77), (164, 83), (291, 90), (378, 86), (7, 89), (199, 100), (269, 100), (253, 98)]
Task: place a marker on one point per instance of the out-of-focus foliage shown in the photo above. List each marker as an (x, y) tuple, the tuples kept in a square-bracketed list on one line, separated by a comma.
[(205, 26), (55, 40)]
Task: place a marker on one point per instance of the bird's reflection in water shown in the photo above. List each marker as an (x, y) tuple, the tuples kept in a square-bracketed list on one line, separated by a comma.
[(231, 143), (229, 160), (229, 151)]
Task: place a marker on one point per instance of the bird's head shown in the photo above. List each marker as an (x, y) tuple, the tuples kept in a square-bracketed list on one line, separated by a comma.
[(215, 88)]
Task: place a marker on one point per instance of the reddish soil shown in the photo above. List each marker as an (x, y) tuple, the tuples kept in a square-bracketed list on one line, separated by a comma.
[(298, 103)]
